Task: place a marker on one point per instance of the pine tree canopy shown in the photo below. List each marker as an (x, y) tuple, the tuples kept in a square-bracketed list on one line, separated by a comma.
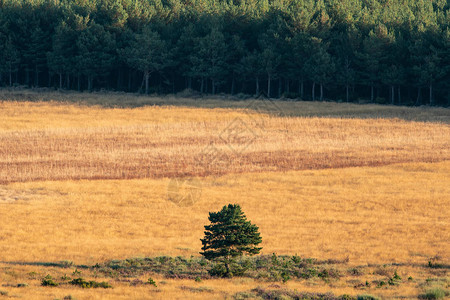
[(229, 235), (387, 52)]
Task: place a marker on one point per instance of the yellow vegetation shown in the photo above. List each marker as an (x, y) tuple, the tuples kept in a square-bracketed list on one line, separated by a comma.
[(373, 190), (50, 141), (387, 214)]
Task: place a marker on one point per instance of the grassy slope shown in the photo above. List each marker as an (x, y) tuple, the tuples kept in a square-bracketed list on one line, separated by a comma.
[(373, 215), (287, 108), (52, 141), (387, 214)]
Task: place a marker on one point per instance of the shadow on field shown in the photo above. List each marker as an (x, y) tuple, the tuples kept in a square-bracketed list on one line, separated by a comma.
[(288, 107)]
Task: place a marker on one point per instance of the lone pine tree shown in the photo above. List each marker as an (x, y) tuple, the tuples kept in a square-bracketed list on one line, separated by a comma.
[(229, 235)]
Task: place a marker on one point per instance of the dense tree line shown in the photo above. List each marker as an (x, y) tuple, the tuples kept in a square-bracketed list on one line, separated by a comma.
[(390, 51)]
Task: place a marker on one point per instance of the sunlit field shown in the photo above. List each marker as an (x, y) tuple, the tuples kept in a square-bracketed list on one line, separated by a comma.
[(93, 182)]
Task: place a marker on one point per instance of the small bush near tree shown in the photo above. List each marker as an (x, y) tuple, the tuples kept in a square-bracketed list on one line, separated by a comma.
[(48, 281), (90, 284), (436, 293), (367, 297), (151, 282)]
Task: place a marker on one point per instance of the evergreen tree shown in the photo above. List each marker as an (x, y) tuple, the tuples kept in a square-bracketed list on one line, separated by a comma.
[(370, 44), (299, 46), (61, 58), (229, 235), (252, 68), (319, 66), (146, 53), (9, 59), (369, 61), (96, 53), (270, 58), (209, 59)]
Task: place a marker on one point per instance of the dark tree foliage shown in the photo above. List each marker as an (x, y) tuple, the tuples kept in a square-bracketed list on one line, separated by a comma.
[(393, 52), (230, 235)]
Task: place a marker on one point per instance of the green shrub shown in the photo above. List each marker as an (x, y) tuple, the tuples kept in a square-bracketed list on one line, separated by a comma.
[(367, 297), (151, 282), (3, 293), (201, 289), (65, 277), (48, 281), (218, 270), (326, 274), (355, 272), (285, 276), (309, 273), (381, 283), (90, 284), (76, 272), (436, 293), (296, 259), (244, 295)]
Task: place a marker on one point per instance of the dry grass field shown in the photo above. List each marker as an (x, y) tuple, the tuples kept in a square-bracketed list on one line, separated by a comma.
[(52, 141), (88, 183)]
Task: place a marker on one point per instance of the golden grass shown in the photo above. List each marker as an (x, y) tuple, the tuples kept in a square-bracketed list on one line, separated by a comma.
[(374, 190), (288, 108), (50, 141), (391, 214), (372, 215)]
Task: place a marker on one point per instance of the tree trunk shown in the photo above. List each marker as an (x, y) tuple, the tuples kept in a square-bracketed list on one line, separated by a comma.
[(286, 86), (10, 76), (347, 93), (78, 82), (279, 87), (206, 85), (232, 86), (201, 86), (60, 81), (119, 79), (190, 82), (392, 95), (321, 92), (227, 267), (173, 83), (90, 79), (399, 96), (28, 77), (147, 76), (371, 93), (419, 92), (36, 76), (313, 93), (257, 86), (268, 85), (68, 81), (431, 93), (302, 85)]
